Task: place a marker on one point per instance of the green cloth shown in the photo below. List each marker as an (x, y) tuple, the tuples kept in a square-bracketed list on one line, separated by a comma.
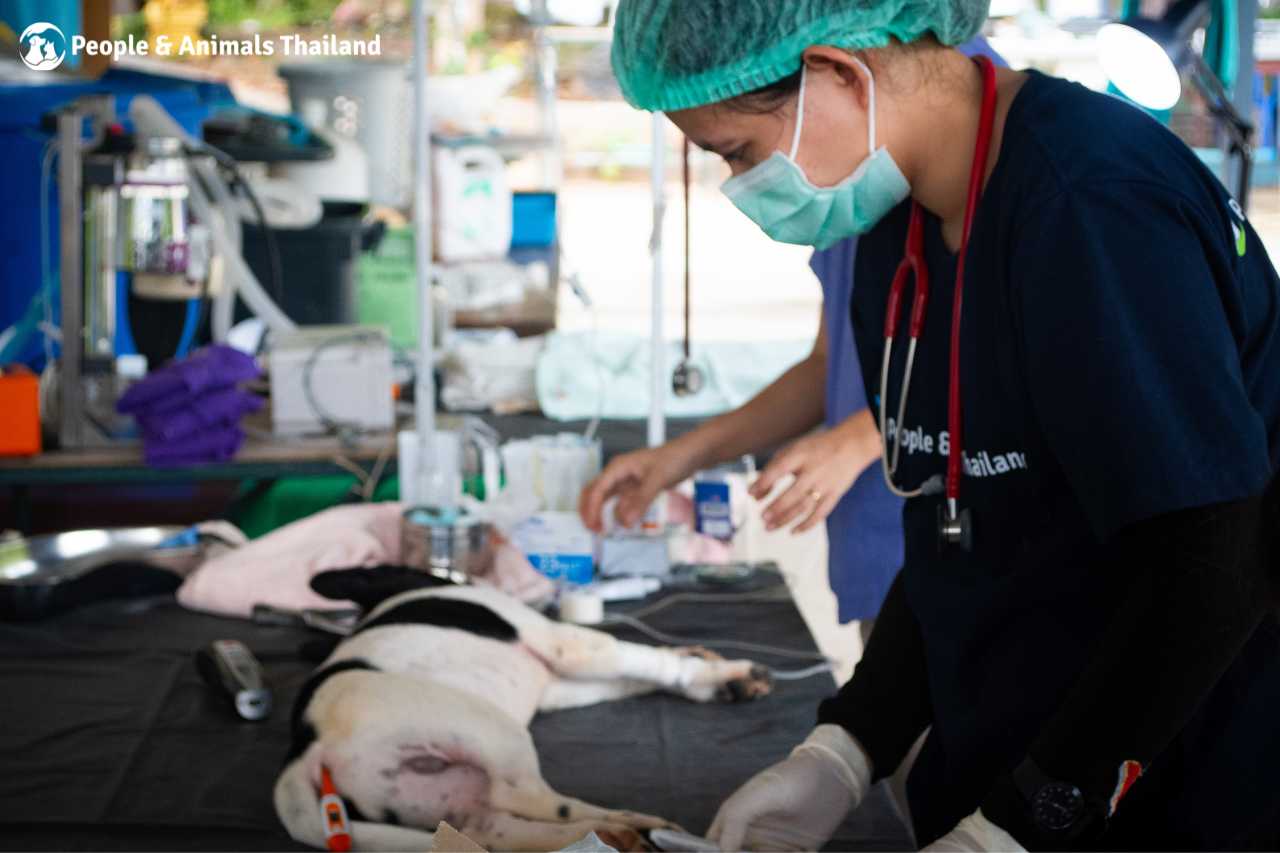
[(676, 54), (258, 512)]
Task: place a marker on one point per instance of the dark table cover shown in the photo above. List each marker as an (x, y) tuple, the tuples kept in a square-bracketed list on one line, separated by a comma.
[(109, 740)]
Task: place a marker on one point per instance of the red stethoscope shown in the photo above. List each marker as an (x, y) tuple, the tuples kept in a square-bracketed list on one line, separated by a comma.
[(954, 525)]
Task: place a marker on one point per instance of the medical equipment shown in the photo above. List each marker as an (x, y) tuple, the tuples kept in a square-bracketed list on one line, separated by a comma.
[(449, 544), (634, 554), (688, 379), (229, 666), (720, 498), (955, 526), (211, 202), (333, 815), (331, 378), (340, 622), (558, 544), (1145, 57), (552, 469), (581, 607), (463, 461)]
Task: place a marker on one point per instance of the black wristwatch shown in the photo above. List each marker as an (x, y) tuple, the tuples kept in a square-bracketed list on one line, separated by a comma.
[(1057, 808)]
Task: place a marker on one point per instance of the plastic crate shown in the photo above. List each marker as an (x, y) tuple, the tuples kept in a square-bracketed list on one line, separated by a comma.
[(533, 219)]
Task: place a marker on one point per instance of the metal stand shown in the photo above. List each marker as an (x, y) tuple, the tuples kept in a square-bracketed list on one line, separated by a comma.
[(1239, 129), (71, 419)]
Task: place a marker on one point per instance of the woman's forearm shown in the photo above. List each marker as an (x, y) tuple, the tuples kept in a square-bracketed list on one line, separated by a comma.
[(1197, 596), (885, 705), (790, 406)]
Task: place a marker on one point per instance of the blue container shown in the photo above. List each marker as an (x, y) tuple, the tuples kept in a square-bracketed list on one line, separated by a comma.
[(533, 219)]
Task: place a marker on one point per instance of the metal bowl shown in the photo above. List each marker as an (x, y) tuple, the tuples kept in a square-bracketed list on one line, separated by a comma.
[(449, 544)]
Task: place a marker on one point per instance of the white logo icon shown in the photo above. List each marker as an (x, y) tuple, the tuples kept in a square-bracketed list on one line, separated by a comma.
[(42, 46)]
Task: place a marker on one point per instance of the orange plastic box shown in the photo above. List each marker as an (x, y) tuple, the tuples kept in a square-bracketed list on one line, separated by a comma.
[(19, 412)]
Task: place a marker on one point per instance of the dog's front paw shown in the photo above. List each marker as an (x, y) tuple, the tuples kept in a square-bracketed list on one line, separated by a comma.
[(755, 684)]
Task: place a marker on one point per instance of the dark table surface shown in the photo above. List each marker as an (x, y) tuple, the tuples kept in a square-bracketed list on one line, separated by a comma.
[(110, 741)]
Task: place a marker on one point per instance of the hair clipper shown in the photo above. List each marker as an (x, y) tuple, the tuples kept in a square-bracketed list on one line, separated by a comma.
[(229, 666)]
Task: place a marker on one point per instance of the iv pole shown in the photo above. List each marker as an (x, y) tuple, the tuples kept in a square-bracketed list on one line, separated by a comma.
[(424, 385)]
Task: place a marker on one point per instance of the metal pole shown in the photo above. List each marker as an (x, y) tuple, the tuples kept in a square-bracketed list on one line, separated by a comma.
[(70, 278), (546, 60), (1247, 19), (658, 353), (424, 386)]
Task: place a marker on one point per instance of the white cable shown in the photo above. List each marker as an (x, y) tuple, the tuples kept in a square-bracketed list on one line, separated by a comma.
[(590, 432), (774, 594), (671, 639), (800, 674)]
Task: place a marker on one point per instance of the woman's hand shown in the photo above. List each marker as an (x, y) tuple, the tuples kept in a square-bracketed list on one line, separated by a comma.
[(797, 803), (975, 834), (635, 478), (824, 465)]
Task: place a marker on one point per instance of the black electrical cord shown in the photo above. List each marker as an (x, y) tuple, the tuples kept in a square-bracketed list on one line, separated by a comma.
[(229, 163), (268, 235), (687, 289), (688, 379)]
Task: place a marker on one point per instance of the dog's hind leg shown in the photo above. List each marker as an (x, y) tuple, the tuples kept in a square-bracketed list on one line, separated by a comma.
[(298, 807), (583, 654), (423, 751), (564, 693)]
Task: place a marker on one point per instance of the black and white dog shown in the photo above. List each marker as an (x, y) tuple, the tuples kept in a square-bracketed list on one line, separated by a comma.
[(422, 715)]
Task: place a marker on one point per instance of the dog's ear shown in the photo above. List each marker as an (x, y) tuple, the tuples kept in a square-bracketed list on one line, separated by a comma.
[(370, 587)]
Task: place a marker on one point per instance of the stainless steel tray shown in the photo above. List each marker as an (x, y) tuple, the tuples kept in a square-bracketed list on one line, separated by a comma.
[(59, 557), (43, 575)]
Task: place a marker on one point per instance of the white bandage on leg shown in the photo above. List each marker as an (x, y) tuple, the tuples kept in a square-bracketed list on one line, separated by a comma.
[(660, 666)]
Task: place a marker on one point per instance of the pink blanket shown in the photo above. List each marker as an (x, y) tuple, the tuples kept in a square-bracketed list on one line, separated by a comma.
[(277, 568)]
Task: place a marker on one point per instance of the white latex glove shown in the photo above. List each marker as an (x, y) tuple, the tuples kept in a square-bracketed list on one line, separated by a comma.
[(796, 804), (976, 834)]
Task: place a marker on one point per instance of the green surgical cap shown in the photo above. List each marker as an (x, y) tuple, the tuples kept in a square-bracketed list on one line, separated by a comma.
[(676, 54)]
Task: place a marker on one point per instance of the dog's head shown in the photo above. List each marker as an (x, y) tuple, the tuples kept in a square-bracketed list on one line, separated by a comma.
[(370, 587)]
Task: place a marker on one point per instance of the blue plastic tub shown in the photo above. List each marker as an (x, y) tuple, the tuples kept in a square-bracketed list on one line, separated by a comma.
[(533, 220)]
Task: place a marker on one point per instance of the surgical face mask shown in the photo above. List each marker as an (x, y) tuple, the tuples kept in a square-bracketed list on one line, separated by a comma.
[(780, 198)]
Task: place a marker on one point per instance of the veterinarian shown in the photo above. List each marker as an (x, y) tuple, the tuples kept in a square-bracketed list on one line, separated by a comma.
[(1082, 619), (834, 478)]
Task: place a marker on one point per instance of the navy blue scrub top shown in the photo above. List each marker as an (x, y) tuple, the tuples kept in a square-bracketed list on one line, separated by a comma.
[(864, 530), (1120, 360)]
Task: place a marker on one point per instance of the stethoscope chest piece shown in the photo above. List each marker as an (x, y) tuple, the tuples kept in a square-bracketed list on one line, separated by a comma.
[(954, 529), (687, 380)]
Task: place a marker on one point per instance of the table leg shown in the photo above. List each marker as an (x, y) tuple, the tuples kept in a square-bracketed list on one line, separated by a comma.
[(21, 497)]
